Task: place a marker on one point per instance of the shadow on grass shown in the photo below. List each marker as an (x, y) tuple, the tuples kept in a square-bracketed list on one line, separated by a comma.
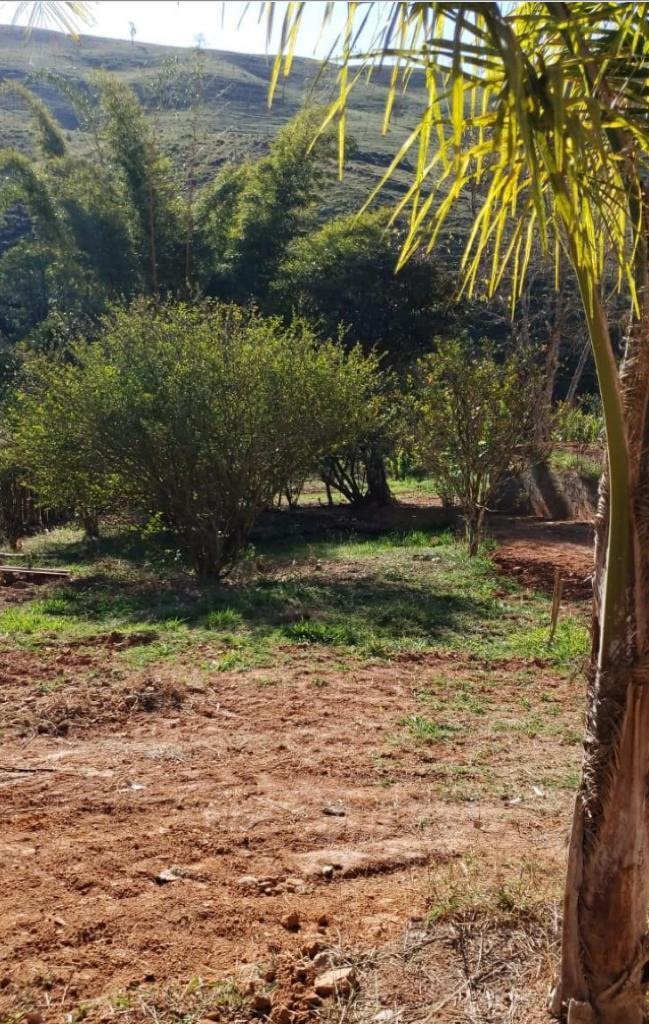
[(279, 532), (305, 610), (126, 545)]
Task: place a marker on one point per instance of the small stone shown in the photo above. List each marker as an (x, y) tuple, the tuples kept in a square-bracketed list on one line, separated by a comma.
[(334, 812), (291, 921), (312, 1000), (300, 975), (166, 876), (340, 981), (327, 871), (247, 881), (59, 922), (261, 1005), (34, 1017), (323, 921), (294, 884), (385, 1016), (270, 974), (323, 961)]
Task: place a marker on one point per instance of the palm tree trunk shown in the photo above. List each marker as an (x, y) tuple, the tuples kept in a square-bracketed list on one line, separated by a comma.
[(605, 947)]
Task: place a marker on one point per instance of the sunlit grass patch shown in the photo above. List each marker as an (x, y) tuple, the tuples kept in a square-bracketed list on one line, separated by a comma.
[(568, 646), (498, 887), (568, 461), (223, 619), (38, 620), (426, 730)]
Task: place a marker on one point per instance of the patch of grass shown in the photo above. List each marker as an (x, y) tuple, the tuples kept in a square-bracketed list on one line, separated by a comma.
[(161, 650), (267, 683), (425, 730), (568, 646), (330, 634), (570, 780), (457, 695), (32, 620), (406, 592), (414, 487), (566, 461), (464, 783), (532, 725), (182, 1002), (223, 619), (491, 886)]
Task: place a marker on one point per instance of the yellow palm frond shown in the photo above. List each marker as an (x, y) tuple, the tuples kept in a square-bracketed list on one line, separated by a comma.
[(541, 108)]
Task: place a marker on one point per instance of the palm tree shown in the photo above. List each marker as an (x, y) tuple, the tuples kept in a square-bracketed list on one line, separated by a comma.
[(64, 15), (543, 109)]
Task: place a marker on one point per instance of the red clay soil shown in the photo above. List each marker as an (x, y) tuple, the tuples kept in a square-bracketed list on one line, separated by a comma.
[(533, 550), (162, 824), (263, 796)]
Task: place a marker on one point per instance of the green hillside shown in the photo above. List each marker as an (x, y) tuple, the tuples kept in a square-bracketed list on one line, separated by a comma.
[(232, 115)]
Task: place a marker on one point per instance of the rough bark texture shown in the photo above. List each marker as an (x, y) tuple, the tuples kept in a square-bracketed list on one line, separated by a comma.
[(378, 489), (605, 949)]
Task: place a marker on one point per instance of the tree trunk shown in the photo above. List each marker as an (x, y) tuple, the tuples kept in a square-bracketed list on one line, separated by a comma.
[(605, 943), (474, 528), (378, 489), (90, 524)]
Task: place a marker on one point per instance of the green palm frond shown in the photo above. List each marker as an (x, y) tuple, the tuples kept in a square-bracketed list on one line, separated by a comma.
[(543, 108)]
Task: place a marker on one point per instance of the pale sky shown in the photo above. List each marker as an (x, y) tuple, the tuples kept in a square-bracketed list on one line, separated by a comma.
[(213, 24)]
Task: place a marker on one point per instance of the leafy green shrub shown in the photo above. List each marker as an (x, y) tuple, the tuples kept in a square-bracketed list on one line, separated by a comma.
[(471, 419), (52, 437), (200, 414)]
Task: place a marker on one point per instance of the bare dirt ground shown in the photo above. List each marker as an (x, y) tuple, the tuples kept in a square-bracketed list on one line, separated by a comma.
[(532, 551), (175, 840)]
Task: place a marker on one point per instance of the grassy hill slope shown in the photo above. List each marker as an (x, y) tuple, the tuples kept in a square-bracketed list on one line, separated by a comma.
[(233, 118)]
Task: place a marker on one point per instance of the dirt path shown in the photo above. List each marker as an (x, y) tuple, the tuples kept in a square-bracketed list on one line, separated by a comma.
[(532, 550)]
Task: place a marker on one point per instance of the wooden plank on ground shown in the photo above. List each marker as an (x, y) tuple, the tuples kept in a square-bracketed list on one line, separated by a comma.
[(9, 573)]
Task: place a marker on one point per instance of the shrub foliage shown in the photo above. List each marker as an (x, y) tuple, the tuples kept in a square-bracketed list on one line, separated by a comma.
[(472, 419), (200, 414)]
